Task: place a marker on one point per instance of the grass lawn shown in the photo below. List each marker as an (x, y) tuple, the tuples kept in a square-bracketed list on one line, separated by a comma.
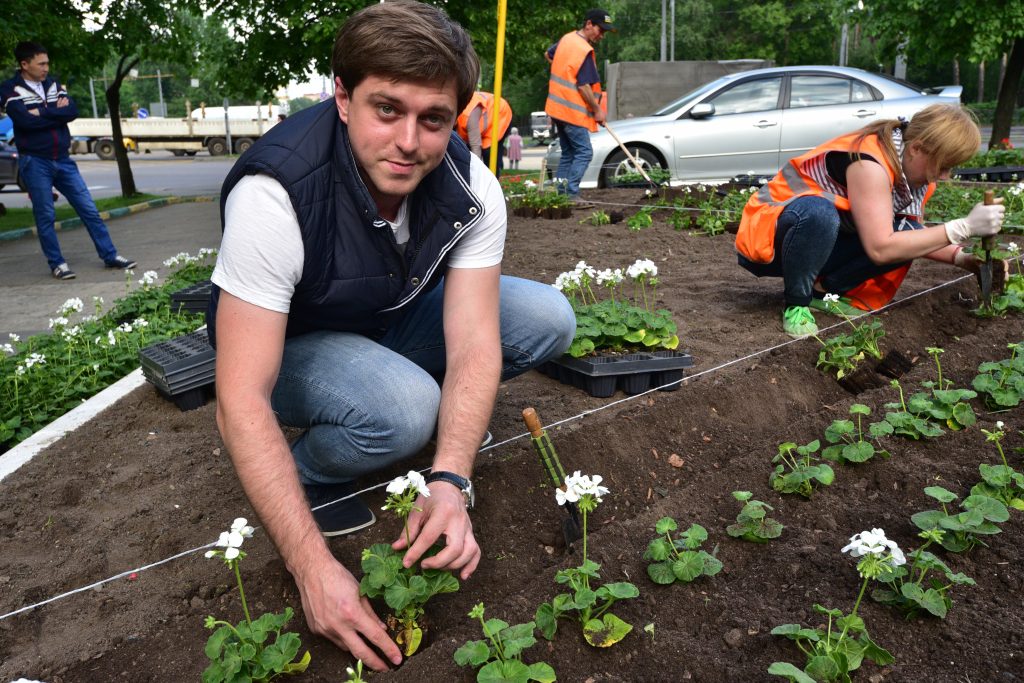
[(15, 219)]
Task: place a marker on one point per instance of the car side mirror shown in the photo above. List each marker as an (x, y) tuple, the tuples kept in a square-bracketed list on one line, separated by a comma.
[(702, 110)]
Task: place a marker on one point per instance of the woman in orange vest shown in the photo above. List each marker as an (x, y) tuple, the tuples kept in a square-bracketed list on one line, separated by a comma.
[(846, 217)]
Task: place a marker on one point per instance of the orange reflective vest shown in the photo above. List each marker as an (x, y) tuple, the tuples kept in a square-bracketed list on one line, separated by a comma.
[(485, 100), (756, 236), (564, 100)]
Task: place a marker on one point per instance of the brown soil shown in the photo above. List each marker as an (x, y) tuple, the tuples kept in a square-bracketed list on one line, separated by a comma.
[(144, 481)]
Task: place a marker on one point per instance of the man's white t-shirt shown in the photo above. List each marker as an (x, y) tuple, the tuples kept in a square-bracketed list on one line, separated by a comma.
[(261, 254)]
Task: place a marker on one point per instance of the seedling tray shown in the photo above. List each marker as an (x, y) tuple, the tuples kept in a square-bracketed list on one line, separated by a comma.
[(168, 359), (194, 298), (1004, 174), (633, 373)]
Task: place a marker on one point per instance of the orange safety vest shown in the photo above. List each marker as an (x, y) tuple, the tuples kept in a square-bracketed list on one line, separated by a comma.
[(756, 236), (564, 100), (485, 100)]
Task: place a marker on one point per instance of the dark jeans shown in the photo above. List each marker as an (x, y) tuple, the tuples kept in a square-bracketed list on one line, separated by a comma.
[(809, 246)]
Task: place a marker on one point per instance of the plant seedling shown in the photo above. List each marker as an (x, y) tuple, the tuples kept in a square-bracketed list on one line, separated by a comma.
[(907, 424), (753, 523), (601, 628), (242, 653), (597, 218), (1001, 383), (1001, 482), (355, 675), (641, 219), (499, 655), (831, 656), (679, 559), (906, 588), (838, 354), (405, 589), (803, 472), (848, 442), (961, 531)]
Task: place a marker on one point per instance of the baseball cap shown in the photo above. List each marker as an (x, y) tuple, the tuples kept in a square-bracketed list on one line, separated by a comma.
[(600, 18)]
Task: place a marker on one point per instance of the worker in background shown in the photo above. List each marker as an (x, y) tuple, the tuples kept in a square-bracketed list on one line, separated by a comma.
[(574, 96), (845, 218), (475, 124)]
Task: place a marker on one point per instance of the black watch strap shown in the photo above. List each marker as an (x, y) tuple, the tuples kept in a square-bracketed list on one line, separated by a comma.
[(459, 482)]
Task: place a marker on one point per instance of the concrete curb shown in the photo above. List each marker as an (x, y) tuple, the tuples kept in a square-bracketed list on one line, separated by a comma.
[(11, 460), (76, 222)]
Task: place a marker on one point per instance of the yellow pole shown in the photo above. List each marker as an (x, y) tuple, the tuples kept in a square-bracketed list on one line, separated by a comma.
[(499, 59)]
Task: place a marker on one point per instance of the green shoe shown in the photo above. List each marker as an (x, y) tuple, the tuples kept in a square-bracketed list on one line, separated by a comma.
[(841, 307), (798, 321)]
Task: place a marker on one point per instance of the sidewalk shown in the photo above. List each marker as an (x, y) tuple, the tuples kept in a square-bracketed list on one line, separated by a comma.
[(29, 296)]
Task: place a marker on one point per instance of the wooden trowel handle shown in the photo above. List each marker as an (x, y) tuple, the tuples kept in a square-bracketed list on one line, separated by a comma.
[(532, 422)]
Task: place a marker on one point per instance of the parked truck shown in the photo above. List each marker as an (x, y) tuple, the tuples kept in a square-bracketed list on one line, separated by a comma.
[(180, 136)]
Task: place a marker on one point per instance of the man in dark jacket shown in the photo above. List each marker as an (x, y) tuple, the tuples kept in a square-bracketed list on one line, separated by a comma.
[(358, 295), (40, 109)]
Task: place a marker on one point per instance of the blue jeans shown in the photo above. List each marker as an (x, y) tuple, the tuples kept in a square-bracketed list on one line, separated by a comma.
[(809, 246), (41, 176), (367, 404), (576, 155)]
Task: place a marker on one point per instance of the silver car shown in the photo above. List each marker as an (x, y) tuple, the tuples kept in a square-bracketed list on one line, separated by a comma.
[(751, 123)]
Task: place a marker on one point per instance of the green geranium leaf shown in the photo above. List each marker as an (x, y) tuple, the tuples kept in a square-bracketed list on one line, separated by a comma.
[(661, 573), (789, 672), (512, 671), (665, 525), (542, 673), (658, 550), (862, 451), (940, 494), (546, 620), (474, 653), (689, 566), (823, 668)]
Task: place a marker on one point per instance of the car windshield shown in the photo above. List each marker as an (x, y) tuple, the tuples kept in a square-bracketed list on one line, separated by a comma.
[(687, 99)]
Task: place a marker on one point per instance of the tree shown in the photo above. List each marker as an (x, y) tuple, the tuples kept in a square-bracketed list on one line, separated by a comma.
[(980, 31)]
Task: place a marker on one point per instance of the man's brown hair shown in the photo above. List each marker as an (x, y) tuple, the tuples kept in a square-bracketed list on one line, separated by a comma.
[(406, 41)]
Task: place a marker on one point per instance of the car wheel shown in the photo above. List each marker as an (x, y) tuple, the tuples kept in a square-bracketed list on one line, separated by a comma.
[(217, 147), (243, 145), (105, 149), (191, 152), (618, 165), (178, 152)]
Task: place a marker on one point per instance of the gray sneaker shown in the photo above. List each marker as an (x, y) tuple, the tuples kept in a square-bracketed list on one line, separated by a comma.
[(62, 272)]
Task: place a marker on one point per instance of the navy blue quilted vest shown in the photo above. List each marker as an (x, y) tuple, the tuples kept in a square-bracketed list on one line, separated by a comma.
[(354, 277)]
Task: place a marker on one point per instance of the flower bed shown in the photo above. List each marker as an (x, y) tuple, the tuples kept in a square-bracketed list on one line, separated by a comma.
[(144, 481)]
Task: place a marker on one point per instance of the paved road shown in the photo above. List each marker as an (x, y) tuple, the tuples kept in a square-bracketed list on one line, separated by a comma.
[(165, 174)]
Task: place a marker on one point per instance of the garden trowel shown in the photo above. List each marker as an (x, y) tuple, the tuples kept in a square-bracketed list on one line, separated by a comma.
[(985, 271), (571, 529)]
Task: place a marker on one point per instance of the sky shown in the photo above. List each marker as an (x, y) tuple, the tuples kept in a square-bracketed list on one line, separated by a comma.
[(312, 84)]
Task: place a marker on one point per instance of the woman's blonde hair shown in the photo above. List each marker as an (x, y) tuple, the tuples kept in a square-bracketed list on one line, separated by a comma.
[(947, 133)]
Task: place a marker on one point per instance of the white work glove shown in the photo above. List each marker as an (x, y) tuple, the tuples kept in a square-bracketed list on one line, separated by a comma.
[(983, 220)]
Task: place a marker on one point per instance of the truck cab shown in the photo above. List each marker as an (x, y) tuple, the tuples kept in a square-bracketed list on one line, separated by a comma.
[(542, 129)]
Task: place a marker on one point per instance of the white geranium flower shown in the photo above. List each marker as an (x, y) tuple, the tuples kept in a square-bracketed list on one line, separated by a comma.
[(111, 339), (230, 553), (578, 485), (241, 525), (1012, 246), (583, 269), (13, 337), (35, 359), (8, 349), (149, 278), (413, 480), (58, 322), (999, 425), (529, 184), (831, 298), (642, 267), (20, 370), (73, 305), (124, 327), (207, 251), (874, 542)]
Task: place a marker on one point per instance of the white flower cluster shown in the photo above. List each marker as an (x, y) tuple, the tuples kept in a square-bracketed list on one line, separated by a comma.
[(1016, 189), (1012, 247), (71, 333), (181, 259), (58, 322), (413, 480), (529, 184), (578, 485), (148, 278), (73, 305), (567, 281), (609, 277), (13, 337), (875, 543), (206, 251), (33, 359), (8, 349), (831, 298), (232, 540), (641, 268)]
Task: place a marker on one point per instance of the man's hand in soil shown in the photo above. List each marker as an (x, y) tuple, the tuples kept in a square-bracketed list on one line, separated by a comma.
[(335, 610), (443, 513)]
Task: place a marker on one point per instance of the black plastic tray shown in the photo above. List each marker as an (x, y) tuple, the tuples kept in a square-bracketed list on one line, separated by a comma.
[(633, 373), (194, 298), (189, 352), (1003, 174)]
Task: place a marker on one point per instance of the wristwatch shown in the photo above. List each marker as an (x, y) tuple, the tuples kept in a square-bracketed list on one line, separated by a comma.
[(461, 483)]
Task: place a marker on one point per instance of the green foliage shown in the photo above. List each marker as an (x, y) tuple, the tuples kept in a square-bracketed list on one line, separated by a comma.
[(1001, 482), (499, 656), (657, 175), (753, 523), (847, 439), (995, 157), (46, 375), (798, 469), (241, 654), (908, 424), (842, 353), (1001, 383), (921, 588), (620, 322), (955, 200), (597, 218), (404, 589), (959, 532), (600, 628), (832, 652), (641, 219), (679, 559)]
